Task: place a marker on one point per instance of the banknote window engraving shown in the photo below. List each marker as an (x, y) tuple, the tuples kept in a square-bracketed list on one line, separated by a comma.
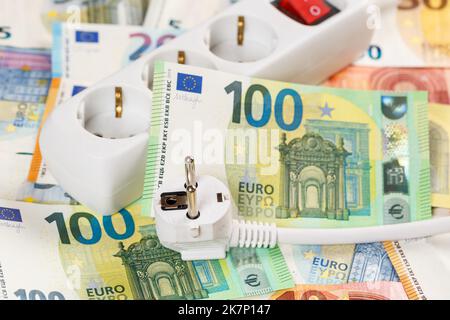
[(357, 170), (439, 159), (371, 263), (157, 273), (313, 183), (315, 186)]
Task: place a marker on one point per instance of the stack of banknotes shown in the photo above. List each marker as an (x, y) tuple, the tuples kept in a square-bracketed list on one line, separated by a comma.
[(370, 146)]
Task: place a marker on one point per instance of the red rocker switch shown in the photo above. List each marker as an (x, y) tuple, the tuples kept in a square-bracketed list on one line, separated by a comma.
[(308, 11)]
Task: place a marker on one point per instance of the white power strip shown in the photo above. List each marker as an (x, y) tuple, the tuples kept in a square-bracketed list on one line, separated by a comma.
[(95, 144)]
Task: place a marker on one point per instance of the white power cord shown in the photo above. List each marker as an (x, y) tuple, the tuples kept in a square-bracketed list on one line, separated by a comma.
[(263, 235), (252, 234), (194, 217)]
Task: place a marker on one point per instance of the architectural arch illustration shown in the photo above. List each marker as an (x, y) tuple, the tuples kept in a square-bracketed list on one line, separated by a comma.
[(311, 185), (371, 263), (357, 163), (157, 273), (312, 180)]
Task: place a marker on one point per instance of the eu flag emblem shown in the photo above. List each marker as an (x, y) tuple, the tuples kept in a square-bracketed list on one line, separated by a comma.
[(77, 89), (86, 36), (10, 214), (189, 83)]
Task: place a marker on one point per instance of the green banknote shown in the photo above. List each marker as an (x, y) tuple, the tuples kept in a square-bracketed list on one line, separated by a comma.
[(76, 254), (300, 156)]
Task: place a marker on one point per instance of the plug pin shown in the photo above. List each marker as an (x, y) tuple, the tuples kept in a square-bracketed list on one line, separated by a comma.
[(181, 57), (193, 212), (191, 188), (240, 33), (119, 102), (189, 166)]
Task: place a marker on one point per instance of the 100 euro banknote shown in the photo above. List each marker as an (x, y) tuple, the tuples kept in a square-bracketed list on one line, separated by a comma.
[(301, 156), (434, 80), (76, 254)]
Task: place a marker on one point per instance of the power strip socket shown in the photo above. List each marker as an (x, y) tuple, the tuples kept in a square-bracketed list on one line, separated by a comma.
[(99, 158)]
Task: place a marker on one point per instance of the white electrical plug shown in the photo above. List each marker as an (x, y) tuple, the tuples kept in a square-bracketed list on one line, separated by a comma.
[(195, 217)]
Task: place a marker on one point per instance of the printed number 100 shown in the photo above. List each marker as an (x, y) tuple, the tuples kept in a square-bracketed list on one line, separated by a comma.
[(22, 294), (278, 108), (96, 229)]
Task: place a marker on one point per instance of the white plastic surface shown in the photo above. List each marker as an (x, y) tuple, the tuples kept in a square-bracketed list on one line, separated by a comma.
[(104, 173), (107, 174), (206, 237), (392, 232)]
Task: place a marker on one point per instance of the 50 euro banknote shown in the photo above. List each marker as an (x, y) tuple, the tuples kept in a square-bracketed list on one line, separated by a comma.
[(354, 291), (301, 156), (76, 254), (410, 33)]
